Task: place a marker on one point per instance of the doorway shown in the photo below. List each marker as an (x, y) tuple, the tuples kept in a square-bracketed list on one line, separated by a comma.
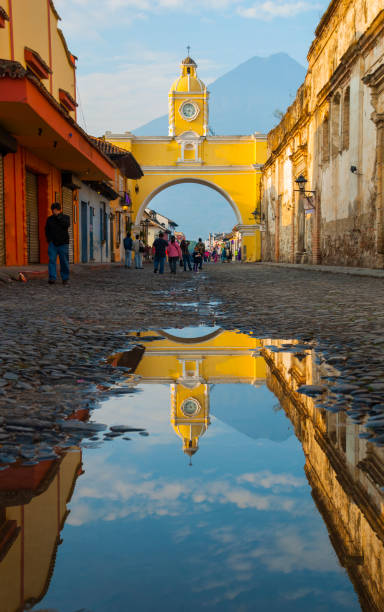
[(32, 210), (91, 215), (84, 232)]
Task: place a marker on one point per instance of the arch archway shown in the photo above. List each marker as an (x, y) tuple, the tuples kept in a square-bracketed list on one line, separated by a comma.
[(178, 181)]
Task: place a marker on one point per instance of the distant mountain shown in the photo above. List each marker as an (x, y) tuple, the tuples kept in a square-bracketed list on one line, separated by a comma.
[(245, 99)]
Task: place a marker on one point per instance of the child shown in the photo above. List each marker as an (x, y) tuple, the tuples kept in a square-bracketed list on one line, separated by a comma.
[(197, 258)]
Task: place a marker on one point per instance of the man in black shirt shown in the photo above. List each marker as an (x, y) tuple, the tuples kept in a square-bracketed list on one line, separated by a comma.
[(160, 246), (56, 231)]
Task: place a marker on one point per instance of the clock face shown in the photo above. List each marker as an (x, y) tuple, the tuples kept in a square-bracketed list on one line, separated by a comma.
[(188, 110), (190, 407)]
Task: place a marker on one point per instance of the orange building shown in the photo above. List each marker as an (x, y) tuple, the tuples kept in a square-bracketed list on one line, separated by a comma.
[(44, 154)]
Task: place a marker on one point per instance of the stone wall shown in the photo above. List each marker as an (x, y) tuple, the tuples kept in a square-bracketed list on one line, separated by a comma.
[(333, 134)]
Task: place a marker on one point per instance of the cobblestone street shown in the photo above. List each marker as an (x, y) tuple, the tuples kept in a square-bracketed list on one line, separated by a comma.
[(55, 374), (54, 336)]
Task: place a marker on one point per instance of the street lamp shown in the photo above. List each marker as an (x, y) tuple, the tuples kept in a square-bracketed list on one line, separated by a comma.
[(301, 181), (256, 214)]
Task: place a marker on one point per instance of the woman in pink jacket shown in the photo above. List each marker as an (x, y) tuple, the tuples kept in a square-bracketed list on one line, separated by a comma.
[(174, 254)]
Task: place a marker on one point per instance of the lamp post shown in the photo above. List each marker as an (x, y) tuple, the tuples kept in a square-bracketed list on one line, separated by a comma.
[(301, 182), (146, 223)]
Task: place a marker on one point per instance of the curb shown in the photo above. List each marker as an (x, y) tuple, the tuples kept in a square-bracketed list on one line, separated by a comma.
[(368, 272), (12, 274)]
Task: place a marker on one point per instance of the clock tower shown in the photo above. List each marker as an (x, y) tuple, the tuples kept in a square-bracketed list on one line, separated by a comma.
[(188, 105)]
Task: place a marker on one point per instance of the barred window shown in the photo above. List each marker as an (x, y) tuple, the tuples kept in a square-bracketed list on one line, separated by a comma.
[(335, 118), (346, 118)]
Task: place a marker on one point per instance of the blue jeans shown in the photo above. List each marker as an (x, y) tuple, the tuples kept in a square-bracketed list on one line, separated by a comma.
[(138, 260), (63, 252), (187, 261), (128, 258), (159, 263)]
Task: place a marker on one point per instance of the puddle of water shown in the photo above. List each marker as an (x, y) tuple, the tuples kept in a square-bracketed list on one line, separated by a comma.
[(215, 485)]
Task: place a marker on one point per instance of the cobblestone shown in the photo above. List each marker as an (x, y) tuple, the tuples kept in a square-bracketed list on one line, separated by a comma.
[(55, 340)]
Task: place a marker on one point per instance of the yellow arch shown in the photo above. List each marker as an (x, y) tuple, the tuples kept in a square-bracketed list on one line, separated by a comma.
[(179, 181)]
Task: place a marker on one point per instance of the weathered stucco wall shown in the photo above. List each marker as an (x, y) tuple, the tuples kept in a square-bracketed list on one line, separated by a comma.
[(332, 134)]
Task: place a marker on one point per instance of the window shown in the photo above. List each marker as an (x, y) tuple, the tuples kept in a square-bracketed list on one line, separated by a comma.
[(346, 118), (325, 140), (335, 118)]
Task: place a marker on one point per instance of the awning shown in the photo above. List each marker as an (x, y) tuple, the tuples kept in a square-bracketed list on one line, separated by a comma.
[(39, 123), (104, 189)]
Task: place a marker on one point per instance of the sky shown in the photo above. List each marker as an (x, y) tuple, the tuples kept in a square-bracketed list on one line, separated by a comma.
[(130, 52)]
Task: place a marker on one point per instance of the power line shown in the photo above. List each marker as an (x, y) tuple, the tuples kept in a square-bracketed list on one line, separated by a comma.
[(81, 108)]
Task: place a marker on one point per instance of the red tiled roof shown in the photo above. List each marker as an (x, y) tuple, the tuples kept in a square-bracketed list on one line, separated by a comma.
[(125, 161), (3, 14)]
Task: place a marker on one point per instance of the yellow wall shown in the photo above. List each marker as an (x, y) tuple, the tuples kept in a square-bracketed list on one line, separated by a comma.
[(230, 163), (30, 26), (31, 555), (162, 359)]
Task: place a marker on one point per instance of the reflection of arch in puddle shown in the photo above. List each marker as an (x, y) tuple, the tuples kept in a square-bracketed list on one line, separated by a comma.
[(191, 366), (33, 510), (191, 340)]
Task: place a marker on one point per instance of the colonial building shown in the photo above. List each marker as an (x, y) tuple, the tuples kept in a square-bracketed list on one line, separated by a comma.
[(231, 165), (332, 136), (44, 154), (106, 208)]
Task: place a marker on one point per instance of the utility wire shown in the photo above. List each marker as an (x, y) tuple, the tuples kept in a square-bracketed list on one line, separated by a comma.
[(81, 107)]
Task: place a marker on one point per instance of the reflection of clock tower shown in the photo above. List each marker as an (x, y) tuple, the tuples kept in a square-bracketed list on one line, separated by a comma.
[(190, 407), (188, 111)]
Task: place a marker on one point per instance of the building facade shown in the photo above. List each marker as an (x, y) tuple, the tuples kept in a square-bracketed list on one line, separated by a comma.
[(45, 156), (41, 144), (231, 165), (332, 136)]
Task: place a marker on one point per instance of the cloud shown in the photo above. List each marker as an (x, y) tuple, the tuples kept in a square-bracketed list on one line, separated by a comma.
[(128, 94), (111, 493), (273, 9), (267, 480)]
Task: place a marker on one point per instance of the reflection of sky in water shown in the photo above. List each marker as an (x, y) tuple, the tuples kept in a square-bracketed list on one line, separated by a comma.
[(191, 332), (236, 531)]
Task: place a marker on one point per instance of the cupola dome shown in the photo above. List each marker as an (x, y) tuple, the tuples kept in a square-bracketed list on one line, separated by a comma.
[(188, 81)]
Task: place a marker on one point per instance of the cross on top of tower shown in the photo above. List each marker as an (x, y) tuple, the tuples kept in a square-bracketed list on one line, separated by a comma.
[(188, 49)]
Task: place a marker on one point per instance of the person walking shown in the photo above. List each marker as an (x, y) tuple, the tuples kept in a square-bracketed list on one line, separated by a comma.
[(197, 258), (223, 255), (184, 245), (174, 254), (159, 247), (201, 246), (138, 248), (128, 245), (57, 234)]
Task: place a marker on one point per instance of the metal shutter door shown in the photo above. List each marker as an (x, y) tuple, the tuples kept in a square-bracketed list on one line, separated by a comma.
[(32, 218), (68, 210), (2, 225)]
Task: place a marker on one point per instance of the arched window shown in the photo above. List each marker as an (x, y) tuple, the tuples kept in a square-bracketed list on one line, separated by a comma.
[(335, 119), (346, 118), (325, 140)]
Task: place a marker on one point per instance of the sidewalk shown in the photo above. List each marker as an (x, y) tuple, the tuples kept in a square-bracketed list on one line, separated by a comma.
[(372, 272), (35, 271)]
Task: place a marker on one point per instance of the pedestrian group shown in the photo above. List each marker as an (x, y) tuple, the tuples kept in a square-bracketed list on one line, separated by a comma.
[(178, 254), (57, 234)]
